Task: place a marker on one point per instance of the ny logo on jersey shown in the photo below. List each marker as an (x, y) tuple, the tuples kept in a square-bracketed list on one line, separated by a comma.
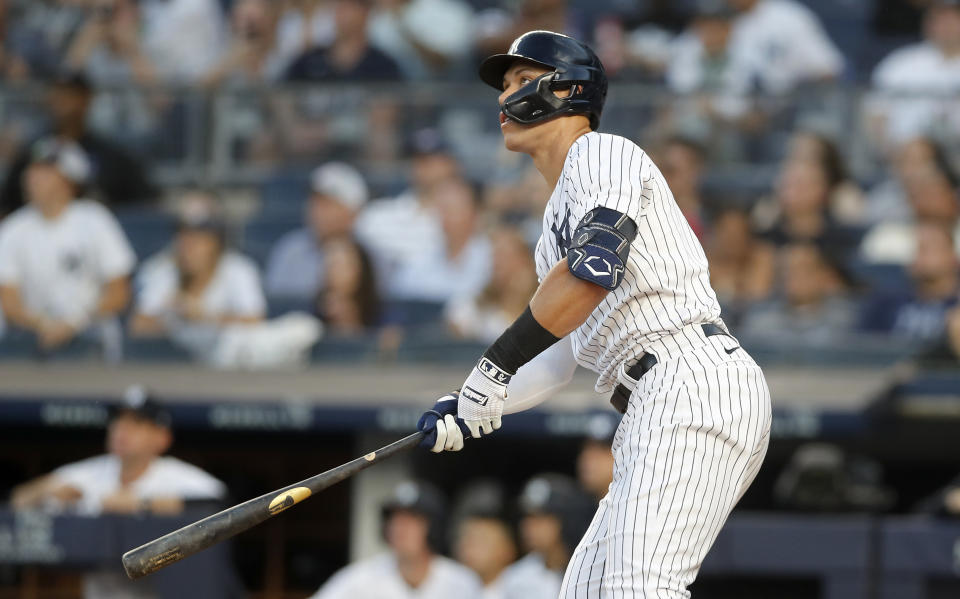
[(561, 231)]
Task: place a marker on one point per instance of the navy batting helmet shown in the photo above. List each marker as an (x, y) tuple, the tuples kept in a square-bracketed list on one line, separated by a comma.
[(573, 66)]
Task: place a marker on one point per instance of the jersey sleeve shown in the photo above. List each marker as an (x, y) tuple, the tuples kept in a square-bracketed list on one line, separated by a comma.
[(611, 172), (114, 254), (246, 290), (10, 271)]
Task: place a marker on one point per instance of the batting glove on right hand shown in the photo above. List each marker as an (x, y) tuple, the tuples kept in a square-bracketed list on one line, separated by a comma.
[(482, 397), (443, 431)]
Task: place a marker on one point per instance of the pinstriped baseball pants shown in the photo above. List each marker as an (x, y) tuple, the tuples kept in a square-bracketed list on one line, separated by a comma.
[(692, 440)]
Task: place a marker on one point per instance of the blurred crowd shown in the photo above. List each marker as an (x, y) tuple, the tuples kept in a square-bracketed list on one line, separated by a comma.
[(816, 254)]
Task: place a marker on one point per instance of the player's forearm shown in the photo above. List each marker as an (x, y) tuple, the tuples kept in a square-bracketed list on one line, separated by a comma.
[(541, 378), (15, 312), (115, 296), (563, 302)]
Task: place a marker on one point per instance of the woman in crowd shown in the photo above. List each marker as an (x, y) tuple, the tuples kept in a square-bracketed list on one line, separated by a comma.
[(348, 302), (512, 282), (199, 281)]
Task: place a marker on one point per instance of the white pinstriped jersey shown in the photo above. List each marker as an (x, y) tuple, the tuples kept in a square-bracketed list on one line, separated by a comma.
[(666, 283)]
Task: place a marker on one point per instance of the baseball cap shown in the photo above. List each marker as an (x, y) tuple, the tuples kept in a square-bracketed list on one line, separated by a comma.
[(73, 79), (141, 402), (427, 141), (341, 181), (198, 210), (67, 156)]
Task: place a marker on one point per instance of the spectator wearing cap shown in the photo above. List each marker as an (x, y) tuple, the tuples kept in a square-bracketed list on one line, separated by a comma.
[(133, 477), (926, 75), (413, 525), (595, 460), (394, 230), (555, 514), (64, 261), (350, 57), (295, 268), (116, 176), (920, 313), (200, 283), (780, 44)]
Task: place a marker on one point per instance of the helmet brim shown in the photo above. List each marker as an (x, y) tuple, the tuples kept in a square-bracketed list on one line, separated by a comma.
[(493, 68)]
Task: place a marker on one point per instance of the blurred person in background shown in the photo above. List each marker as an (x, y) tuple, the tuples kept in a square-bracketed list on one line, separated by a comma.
[(681, 163), (108, 48), (117, 178), (413, 526), (929, 71), (595, 460), (133, 477), (348, 303), (555, 514), (65, 263), (182, 38), (350, 57), (700, 67), (200, 282), (847, 203), (919, 313), (39, 33), (815, 308), (513, 279), (394, 229), (780, 44), (498, 27), (295, 268), (932, 193), (426, 38), (887, 201), (458, 262), (252, 55), (741, 271), (13, 65), (303, 24), (484, 538)]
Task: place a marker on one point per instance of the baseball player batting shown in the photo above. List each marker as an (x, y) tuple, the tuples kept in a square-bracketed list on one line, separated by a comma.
[(624, 291)]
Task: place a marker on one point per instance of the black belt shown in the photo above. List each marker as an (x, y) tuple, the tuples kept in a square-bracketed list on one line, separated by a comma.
[(621, 394)]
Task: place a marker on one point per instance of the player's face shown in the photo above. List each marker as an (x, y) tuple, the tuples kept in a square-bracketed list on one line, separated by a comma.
[(484, 545), (540, 532), (407, 533), (130, 436), (518, 137)]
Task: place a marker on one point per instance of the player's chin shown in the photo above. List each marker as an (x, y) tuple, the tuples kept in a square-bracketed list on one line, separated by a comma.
[(513, 137)]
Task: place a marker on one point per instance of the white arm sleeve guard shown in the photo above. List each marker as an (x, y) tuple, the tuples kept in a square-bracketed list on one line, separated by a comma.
[(540, 378)]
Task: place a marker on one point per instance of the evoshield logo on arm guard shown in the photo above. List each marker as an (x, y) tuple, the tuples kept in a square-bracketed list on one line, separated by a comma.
[(600, 247)]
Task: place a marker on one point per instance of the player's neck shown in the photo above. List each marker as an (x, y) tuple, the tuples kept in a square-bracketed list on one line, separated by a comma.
[(414, 568), (551, 155)]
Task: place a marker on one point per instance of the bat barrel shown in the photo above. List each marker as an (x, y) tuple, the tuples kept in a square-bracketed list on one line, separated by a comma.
[(195, 537)]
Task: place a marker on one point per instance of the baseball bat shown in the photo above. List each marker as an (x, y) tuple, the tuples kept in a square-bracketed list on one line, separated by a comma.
[(179, 544)]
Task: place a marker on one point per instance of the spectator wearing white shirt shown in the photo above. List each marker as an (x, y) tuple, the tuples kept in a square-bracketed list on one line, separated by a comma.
[(133, 477), (413, 526), (200, 283), (64, 262), (779, 44), (295, 268), (927, 75), (182, 38), (394, 230), (513, 279), (425, 37), (456, 262)]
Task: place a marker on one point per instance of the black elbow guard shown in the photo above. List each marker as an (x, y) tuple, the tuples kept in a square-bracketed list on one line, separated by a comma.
[(600, 246)]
